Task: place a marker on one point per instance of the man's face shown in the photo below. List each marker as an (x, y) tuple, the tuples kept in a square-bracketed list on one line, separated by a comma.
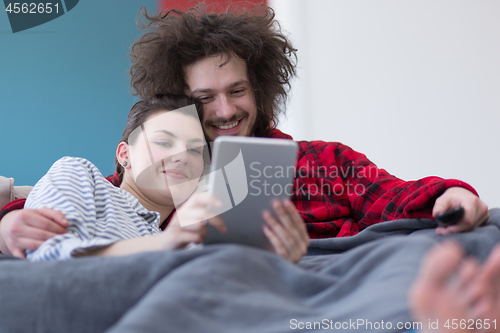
[(222, 84)]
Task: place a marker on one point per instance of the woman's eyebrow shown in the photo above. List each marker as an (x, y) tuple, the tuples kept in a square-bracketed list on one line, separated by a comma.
[(167, 133), (175, 137)]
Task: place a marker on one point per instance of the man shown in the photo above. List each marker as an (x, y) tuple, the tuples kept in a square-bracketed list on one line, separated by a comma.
[(240, 66)]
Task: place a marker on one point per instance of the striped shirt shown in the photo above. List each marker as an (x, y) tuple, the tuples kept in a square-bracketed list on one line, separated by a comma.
[(99, 213)]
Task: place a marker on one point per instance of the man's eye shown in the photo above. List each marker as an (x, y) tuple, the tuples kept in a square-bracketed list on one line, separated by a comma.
[(205, 99), (238, 91)]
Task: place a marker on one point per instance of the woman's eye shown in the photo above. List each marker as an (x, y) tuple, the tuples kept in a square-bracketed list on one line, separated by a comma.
[(196, 151), (163, 143)]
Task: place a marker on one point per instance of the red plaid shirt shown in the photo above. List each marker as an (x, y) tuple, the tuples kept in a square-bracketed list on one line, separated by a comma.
[(339, 192)]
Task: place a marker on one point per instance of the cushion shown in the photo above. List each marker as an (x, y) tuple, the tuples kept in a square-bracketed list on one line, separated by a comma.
[(9, 192)]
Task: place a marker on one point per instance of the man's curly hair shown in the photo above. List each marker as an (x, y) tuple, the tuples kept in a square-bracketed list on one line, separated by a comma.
[(178, 39)]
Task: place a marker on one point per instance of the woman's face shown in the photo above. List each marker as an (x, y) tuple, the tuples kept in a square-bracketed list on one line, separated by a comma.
[(167, 156)]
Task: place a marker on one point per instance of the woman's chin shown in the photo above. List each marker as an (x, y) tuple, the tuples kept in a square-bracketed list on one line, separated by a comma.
[(179, 197)]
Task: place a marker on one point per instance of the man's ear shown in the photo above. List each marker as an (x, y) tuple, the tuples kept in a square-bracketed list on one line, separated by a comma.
[(122, 154)]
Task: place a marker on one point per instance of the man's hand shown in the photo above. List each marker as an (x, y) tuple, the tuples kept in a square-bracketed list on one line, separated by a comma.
[(27, 229), (475, 211), (288, 233)]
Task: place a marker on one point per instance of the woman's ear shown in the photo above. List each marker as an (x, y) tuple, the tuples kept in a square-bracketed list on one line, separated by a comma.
[(122, 154)]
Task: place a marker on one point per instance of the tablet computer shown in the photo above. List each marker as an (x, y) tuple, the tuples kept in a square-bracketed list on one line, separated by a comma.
[(247, 174)]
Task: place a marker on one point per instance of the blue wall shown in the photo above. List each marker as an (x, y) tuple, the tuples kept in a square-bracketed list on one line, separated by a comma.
[(64, 87)]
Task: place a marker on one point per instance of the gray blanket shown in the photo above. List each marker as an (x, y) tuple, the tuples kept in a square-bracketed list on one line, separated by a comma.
[(353, 284)]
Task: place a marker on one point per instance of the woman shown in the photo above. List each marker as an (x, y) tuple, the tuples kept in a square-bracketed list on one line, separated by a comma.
[(161, 159)]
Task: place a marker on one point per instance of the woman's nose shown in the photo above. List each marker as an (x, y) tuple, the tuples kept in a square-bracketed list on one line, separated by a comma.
[(180, 156)]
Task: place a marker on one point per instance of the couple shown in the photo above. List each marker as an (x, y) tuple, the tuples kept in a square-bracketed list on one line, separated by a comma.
[(239, 67), (160, 160), (241, 71)]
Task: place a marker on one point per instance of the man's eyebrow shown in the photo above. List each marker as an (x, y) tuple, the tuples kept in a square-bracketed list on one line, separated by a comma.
[(229, 86), (175, 137), (237, 83)]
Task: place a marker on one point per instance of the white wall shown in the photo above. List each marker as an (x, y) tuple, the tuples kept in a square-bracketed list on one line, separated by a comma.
[(414, 85)]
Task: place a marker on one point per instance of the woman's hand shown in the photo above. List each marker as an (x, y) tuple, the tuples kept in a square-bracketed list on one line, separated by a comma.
[(193, 229), (287, 233)]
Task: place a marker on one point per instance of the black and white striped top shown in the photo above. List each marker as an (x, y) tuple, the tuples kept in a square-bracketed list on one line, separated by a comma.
[(99, 213)]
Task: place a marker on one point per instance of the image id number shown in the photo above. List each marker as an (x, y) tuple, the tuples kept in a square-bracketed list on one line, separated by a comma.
[(32, 8)]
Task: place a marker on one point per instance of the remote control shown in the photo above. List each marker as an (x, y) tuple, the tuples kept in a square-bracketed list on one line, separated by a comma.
[(450, 217)]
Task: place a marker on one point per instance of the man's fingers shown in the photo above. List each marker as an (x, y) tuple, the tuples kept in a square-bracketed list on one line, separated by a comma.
[(441, 206), (28, 244), (287, 232), (443, 231), (55, 216), (475, 215), (484, 213), (278, 246), (37, 234), (18, 253), (41, 222), (22, 244), (298, 222), (285, 220), (280, 239), (278, 229)]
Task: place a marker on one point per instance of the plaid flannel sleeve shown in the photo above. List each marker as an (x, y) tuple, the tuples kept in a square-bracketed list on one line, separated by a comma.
[(339, 192)]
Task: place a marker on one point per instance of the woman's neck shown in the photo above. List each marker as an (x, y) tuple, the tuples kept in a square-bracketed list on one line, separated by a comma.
[(164, 210)]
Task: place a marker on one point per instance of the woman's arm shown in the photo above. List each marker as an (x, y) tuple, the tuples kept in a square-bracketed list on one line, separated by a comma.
[(126, 247), (99, 214), (107, 221), (175, 236)]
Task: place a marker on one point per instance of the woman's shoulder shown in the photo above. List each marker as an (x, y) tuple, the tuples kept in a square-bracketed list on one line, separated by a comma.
[(75, 165)]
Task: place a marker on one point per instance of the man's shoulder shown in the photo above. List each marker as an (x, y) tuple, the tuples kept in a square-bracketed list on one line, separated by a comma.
[(317, 146), (325, 150)]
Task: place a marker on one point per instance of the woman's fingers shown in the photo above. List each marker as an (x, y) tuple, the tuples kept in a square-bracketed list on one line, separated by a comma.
[(189, 224), (199, 207), (204, 199), (218, 224)]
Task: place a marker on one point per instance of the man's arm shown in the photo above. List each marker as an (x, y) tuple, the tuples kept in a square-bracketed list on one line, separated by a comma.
[(346, 193), (394, 198), (27, 229)]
